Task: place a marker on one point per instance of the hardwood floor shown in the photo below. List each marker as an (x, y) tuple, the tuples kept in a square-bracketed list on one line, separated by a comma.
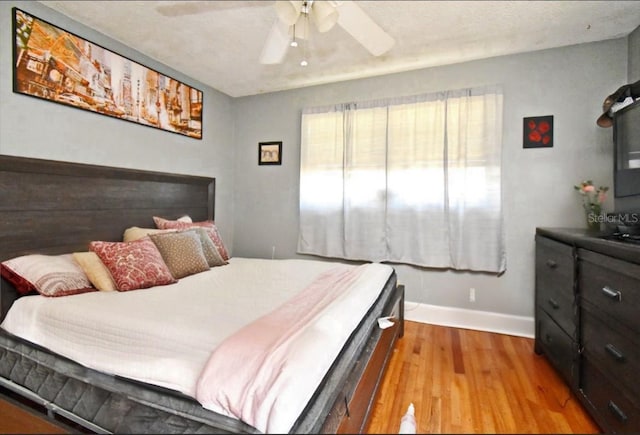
[(464, 381), (460, 381), (18, 419)]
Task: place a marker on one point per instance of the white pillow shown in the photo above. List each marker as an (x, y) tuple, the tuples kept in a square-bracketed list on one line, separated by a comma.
[(95, 270)]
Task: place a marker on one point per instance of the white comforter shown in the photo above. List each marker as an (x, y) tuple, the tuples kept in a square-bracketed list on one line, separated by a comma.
[(165, 335)]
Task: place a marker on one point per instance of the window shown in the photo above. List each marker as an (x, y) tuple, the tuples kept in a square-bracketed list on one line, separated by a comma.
[(413, 180)]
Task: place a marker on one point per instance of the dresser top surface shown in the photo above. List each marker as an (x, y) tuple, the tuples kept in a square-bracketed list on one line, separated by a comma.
[(582, 238)]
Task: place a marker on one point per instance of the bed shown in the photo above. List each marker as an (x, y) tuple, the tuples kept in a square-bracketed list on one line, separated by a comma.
[(52, 208)]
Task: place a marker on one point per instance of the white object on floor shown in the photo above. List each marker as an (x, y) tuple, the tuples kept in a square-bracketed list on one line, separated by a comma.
[(385, 322), (408, 421)]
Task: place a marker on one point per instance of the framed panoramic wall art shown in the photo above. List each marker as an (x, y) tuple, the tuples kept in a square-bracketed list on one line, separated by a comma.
[(55, 65)]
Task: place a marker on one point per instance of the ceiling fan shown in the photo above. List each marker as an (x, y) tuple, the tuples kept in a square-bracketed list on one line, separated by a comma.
[(293, 23)]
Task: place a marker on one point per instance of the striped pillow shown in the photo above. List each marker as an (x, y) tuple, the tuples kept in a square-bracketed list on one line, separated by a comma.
[(49, 275)]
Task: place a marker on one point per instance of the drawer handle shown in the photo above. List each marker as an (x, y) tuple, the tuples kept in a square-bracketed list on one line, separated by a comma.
[(552, 264), (613, 294), (553, 304), (617, 411), (614, 352)]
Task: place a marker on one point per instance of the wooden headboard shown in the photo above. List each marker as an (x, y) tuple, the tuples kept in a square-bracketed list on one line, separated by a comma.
[(53, 207)]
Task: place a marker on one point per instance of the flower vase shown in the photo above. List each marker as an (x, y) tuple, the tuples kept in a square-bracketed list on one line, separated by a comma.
[(593, 217)]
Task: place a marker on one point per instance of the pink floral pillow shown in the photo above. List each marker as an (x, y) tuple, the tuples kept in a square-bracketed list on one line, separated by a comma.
[(133, 265), (49, 275), (209, 226)]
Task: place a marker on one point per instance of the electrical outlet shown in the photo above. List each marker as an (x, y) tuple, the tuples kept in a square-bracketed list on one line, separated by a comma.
[(472, 294)]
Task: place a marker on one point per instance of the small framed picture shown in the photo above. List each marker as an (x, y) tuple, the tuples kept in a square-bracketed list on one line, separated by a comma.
[(270, 153), (537, 132)]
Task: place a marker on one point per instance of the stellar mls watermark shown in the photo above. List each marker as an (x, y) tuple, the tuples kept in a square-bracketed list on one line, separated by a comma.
[(618, 218)]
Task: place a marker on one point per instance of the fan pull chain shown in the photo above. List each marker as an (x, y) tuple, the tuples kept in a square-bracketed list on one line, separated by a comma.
[(306, 40), (294, 43)]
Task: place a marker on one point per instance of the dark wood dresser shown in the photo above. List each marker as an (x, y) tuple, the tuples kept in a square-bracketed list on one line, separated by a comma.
[(587, 310)]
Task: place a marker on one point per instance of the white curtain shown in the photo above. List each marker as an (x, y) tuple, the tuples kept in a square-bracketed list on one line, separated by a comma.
[(412, 180)]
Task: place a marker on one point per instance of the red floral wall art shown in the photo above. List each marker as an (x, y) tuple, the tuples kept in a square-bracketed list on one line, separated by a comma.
[(537, 132)]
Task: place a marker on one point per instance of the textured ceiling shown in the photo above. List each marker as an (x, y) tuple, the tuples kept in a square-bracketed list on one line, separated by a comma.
[(219, 42)]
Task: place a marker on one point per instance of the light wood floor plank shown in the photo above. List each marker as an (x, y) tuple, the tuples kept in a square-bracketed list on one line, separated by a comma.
[(15, 419), (464, 381)]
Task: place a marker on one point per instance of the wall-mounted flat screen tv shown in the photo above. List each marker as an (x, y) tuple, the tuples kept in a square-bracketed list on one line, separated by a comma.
[(626, 140)]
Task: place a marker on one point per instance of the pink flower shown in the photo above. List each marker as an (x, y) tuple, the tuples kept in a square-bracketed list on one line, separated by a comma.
[(592, 197)]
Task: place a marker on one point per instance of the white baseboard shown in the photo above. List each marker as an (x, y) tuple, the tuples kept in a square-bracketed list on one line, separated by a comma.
[(470, 319)]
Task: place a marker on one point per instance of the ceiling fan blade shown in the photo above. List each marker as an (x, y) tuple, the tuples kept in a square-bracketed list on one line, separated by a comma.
[(364, 30), (177, 9), (288, 11), (325, 15), (182, 8), (276, 45)]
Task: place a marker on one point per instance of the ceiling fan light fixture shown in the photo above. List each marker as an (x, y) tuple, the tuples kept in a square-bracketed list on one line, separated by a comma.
[(324, 16), (289, 11), (291, 28)]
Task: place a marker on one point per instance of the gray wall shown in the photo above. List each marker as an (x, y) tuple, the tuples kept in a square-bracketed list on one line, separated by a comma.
[(35, 128), (569, 83)]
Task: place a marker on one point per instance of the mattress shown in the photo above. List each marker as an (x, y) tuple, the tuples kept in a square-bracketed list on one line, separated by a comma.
[(164, 335)]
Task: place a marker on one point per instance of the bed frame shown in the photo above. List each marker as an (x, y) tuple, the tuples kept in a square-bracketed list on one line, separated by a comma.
[(53, 207)]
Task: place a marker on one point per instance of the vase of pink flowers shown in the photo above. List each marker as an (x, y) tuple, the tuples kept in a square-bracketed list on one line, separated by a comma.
[(592, 200)]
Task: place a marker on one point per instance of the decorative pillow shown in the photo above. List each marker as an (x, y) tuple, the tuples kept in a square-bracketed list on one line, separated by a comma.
[(208, 248), (133, 265), (95, 270), (209, 226), (182, 252), (186, 219), (135, 233), (49, 275), (19, 282)]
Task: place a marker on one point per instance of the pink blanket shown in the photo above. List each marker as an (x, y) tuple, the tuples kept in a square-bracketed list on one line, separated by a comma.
[(266, 373)]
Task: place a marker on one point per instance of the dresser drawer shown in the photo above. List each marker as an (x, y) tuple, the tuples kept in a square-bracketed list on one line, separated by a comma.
[(559, 348), (614, 351), (555, 282), (615, 411), (611, 285)]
